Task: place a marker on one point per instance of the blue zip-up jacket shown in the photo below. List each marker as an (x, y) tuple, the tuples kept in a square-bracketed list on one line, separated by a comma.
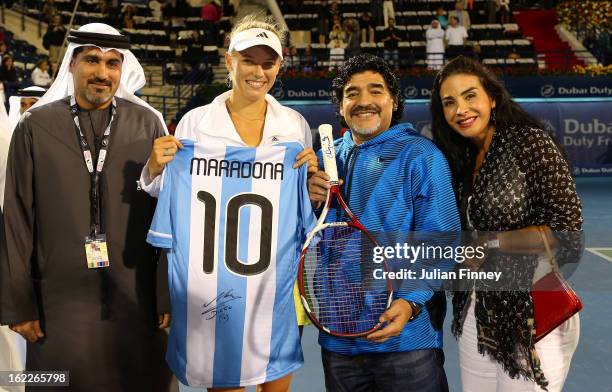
[(398, 182)]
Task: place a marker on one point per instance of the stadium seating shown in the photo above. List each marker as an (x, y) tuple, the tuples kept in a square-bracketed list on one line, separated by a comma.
[(497, 41)]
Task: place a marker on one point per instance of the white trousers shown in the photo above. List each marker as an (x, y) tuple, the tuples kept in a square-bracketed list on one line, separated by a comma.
[(388, 11), (480, 373), (12, 355)]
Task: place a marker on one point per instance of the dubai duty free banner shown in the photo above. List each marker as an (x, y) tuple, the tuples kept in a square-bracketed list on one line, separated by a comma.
[(584, 129)]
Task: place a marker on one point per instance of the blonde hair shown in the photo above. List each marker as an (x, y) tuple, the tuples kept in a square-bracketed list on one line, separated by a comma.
[(259, 21)]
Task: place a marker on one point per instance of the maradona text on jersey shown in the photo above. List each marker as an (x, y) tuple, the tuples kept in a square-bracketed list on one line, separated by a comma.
[(237, 169)]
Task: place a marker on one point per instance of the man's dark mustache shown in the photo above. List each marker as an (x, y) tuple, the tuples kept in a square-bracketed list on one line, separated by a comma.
[(369, 108), (99, 81)]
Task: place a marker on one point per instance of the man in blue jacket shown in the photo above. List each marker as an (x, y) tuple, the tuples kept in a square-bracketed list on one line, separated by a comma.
[(394, 180)]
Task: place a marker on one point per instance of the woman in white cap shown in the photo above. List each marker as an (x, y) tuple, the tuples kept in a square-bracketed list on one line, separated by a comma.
[(245, 116)]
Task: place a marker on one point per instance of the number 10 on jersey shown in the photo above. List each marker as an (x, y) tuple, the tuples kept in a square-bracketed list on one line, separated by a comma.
[(232, 213)]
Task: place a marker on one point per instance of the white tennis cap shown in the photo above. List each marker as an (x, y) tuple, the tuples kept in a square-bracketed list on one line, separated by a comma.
[(254, 37)]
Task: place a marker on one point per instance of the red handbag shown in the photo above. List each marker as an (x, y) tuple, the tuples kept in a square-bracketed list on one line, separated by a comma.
[(554, 301)]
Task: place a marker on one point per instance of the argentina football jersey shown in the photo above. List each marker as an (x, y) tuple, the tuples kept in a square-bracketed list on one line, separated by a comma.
[(232, 220)]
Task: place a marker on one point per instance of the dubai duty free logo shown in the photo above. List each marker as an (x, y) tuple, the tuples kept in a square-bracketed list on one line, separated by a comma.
[(278, 93), (411, 92), (547, 90)]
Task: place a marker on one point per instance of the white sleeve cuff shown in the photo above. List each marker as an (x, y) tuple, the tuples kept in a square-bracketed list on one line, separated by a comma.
[(151, 186)]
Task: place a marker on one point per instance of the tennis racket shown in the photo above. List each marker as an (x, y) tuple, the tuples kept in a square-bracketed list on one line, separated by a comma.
[(336, 278)]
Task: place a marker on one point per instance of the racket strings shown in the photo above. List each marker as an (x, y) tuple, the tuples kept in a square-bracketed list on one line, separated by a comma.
[(339, 283)]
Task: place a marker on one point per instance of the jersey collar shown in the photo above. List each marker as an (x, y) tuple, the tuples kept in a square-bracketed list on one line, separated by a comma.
[(217, 122)]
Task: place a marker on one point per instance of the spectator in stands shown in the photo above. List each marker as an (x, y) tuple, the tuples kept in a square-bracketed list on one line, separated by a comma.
[(388, 12), (168, 13), (54, 38), (336, 19), (8, 76), (324, 18), (353, 46), (211, 15), (177, 22), (53, 68), (309, 60), (40, 75), (337, 37), (21, 101), (391, 38), (477, 52), (199, 71), (102, 6), (462, 15), (194, 50), (334, 9), (455, 38), (156, 9), (366, 25), (504, 11), (492, 7), (435, 45), (376, 10), (128, 16), (441, 17), (3, 49), (48, 10), (7, 70), (292, 58)]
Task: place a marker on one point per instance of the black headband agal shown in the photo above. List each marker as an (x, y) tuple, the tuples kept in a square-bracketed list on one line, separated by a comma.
[(99, 39), (30, 93)]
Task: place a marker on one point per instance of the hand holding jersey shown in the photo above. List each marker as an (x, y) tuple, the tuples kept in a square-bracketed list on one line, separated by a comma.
[(242, 126), (164, 149)]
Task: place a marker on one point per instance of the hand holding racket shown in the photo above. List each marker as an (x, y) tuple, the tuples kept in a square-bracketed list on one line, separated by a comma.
[(336, 279)]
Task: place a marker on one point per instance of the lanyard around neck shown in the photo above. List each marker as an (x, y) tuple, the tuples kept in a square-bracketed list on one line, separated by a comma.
[(88, 157), (84, 144)]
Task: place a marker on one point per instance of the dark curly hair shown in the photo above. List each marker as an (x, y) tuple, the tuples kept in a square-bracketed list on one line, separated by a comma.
[(362, 63), (460, 151)]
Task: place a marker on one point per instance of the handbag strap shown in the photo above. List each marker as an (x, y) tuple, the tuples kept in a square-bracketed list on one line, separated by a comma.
[(551, 257)]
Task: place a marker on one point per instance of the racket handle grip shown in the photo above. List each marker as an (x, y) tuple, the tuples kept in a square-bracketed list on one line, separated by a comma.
[(328, 152)]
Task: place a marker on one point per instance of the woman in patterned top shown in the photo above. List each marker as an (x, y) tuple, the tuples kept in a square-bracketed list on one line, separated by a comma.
[(511, 177)]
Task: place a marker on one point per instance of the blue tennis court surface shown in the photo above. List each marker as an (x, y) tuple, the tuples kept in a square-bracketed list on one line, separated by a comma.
[(592, 364)]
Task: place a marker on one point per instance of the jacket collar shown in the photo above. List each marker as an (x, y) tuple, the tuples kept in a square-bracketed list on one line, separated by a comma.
[(392, 133)]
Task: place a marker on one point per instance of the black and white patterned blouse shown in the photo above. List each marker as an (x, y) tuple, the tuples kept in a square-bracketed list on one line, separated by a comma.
[(524, 180)]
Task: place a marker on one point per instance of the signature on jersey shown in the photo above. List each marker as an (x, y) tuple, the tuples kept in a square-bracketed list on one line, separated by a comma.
[(220, 306)]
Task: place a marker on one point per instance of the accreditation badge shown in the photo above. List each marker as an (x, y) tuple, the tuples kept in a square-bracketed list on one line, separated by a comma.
[(96, 251)]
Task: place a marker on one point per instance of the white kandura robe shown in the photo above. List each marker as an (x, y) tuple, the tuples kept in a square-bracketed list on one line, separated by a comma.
[(435, 47)]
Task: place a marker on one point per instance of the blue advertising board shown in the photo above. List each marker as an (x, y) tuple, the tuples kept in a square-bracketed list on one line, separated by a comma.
[(583, 128), (420, 88)]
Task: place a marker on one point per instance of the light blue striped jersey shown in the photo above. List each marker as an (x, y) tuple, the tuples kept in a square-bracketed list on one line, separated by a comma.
[(233, 220)]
